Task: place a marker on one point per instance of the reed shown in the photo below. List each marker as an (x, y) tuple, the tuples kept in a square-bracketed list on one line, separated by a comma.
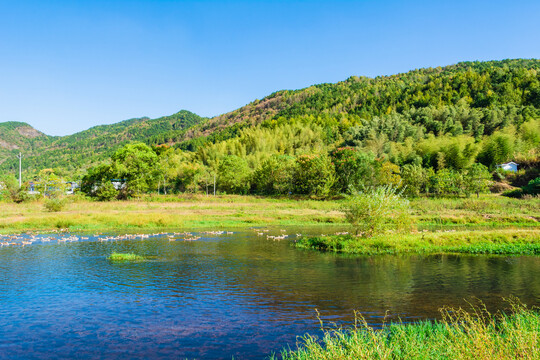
[(475, 334)]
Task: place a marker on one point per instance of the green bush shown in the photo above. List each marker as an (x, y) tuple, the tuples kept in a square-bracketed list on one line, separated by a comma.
[(106, 192), (516, 193), (370, 212), (55, 204), (533, 187), (125, 257)]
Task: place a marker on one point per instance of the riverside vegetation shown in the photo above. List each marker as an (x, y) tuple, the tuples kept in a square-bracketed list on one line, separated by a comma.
[(489, 224), (460, 334)]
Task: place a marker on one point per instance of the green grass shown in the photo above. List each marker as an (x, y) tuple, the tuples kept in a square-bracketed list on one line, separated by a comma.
[(459, 334), (500, 241), (125, 257), (200, 211)]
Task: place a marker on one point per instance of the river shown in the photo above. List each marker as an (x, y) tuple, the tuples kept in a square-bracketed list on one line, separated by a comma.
[(222, 295)]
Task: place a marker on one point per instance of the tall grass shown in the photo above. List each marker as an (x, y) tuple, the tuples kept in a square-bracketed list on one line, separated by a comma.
[(460, 334)]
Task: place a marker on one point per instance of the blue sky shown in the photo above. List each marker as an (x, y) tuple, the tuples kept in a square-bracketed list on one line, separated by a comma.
[(68, 65)]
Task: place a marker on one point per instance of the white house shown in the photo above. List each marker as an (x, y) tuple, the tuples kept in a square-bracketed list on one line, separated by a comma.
[(509, 166)]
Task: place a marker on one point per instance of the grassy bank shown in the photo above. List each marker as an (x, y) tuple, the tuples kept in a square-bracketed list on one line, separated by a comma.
[(459, 335), (200, 211), (500, 241)]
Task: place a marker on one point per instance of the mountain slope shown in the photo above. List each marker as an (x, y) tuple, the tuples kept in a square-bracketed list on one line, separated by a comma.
[(90, 146), (18, 136), (358, 100)]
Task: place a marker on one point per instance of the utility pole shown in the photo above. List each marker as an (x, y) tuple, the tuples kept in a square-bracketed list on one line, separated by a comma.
[(20, 169), (214, 184)]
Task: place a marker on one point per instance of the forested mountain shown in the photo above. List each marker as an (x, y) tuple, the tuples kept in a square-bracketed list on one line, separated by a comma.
[(18, 136), (436, 118), (475, 98), (86, 147)]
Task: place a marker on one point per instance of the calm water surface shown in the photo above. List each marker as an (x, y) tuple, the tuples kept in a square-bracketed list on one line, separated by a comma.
[(221, 296)]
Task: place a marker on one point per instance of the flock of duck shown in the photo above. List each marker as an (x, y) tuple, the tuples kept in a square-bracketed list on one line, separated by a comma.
[(63, 236)]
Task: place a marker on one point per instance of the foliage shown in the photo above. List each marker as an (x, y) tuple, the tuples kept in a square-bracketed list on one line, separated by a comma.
[(132, 168), (55, 204), (9, 188), (371, 211), (234, 175), (49, 184), (314, 175), (106, 191), (447, 182), (353, 168), (531, 189), (477, 179), (415, 179), (275, 175)]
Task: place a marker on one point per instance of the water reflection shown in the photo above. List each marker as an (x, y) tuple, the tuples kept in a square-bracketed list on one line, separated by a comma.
[(221, 296)]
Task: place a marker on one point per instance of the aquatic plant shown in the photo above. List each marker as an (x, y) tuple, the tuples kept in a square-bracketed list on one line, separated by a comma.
[(125, 257)]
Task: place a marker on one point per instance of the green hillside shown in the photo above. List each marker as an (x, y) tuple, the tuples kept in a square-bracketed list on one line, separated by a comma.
[(475, 98), (436, 118), (88, 147), (18, 136)]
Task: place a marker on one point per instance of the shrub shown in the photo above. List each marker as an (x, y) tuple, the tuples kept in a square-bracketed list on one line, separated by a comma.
[(55, 204), (371, 211), (533, 187), (516, 193), (106, 192)]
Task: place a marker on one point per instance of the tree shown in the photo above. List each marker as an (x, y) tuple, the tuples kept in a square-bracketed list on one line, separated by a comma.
[(352, 167), (135, 166), (414, 179), (49, 184), (275, 175), (9, 189), (234, 175), (477, 179), (95, 178), (314, 175)]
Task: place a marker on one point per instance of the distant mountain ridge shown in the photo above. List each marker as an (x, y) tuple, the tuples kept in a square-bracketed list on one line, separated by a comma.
[(84, 148), (19, 136)]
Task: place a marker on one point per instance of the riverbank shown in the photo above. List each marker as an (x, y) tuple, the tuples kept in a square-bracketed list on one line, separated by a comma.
[(499, 241), (459, 335), (233, 211)]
